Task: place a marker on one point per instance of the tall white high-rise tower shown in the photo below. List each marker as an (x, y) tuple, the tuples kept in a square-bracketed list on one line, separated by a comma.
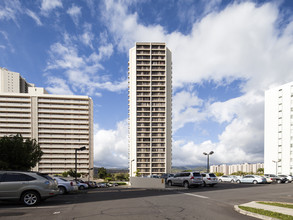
[(278, 149), (150, 109)]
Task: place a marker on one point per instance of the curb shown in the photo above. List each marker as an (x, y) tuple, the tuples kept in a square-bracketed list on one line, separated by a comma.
[(255, 215)]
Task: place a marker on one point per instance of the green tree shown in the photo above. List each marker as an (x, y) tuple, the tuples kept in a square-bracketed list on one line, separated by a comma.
[(19, 154), (71, 173), (219, 174), (260, 170), (137, 172), (102, 173)]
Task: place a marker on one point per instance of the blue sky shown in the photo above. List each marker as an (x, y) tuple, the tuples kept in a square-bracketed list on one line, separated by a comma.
[(225, 55)]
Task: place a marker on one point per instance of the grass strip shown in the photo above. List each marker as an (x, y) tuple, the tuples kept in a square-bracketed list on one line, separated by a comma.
[(267, 213), (284, 205)]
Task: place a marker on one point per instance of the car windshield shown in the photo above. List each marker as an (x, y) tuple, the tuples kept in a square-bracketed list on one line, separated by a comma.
[(212, 175)]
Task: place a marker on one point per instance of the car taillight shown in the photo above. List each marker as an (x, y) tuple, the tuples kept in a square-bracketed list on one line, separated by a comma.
[(192, 177), (209, 178), (71, 183)]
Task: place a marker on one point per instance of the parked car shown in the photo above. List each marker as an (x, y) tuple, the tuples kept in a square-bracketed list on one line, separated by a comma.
[(229, 178), (255, 179), (153, 176), (272, 178), (28, 187), (91, 184), (186, 179), (166, 176), (80, 185), (283, 179), (209, 179), (102, 185), (65, 186), (288, 177)]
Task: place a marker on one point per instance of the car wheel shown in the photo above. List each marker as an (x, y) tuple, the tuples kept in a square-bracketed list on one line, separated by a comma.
[(62, 190), (232, 181), (287, 181), (170, 183), (81, 187), (278, 181), (238, 181), (220, 180), (186, 185), (30, 198), (254, 182)]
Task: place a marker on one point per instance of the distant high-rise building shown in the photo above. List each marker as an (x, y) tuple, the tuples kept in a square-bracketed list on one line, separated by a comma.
[(278, 146), (150, 109), (12, 82), (59, 123)]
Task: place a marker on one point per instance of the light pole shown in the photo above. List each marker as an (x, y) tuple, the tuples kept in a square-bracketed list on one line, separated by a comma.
[(276, 162), (78, 149), (208, 162), (131, 167)]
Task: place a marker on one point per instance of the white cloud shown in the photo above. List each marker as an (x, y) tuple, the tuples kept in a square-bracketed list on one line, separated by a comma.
[(82, 71), (111, 146), (48, 5), (10, 10), (241, 42), (58, 86), (75, 13), (186, 109), (34, 16)]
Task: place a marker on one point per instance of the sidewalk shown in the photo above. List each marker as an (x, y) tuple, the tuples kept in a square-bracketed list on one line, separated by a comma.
[(253, 204)]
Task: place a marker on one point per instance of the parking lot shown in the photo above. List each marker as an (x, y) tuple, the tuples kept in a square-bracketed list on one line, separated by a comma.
[(171, 203)]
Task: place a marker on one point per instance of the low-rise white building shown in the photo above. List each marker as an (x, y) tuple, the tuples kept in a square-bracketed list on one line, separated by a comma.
[(229, 169)]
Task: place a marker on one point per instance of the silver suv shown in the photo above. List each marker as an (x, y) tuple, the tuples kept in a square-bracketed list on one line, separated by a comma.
[(28, 187), (209, 179), (186, 179)]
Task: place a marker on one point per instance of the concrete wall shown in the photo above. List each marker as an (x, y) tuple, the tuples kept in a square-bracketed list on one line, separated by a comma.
[(144, 182)]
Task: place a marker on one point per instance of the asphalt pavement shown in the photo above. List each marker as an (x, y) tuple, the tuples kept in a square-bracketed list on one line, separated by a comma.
[(129, 203)]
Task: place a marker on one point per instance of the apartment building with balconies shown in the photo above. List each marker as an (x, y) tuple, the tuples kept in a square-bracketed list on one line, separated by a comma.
[(59, 123), (12, 82), (278, 138), (150, 109)]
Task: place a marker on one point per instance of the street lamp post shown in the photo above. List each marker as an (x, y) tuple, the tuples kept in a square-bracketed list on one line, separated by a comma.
[(131, 167), (78, 149), (276, 162), (208, 160)]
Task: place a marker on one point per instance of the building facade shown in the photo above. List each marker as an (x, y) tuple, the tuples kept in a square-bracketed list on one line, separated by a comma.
[(233, 168), (150, 109), (59, 123), (12, 82), (278, 144)]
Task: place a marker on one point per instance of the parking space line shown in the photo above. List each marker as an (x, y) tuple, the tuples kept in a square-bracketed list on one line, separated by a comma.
[(190, 194)]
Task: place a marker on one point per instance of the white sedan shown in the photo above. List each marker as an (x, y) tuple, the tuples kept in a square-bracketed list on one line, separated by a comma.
[(65, 186)]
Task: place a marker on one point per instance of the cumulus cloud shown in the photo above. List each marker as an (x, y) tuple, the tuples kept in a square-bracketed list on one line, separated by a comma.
[(186, 109), (240, 42), (111, 146), (82, 70), (75, 13)]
